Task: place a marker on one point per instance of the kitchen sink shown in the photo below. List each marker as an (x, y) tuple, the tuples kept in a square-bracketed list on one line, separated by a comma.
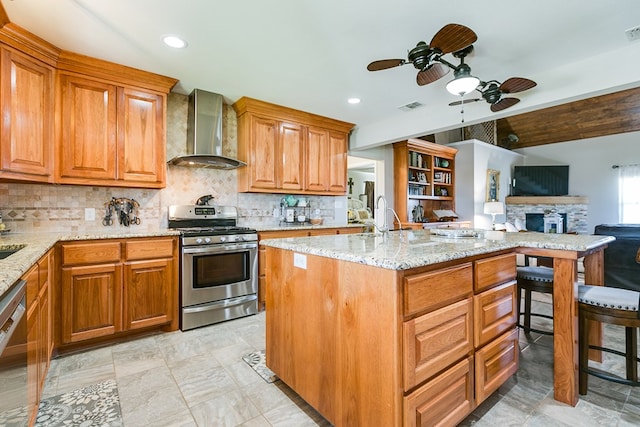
[(7, 251)]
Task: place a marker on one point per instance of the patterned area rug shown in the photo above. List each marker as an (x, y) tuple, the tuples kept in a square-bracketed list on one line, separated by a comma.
[(257, 361), (95, 405)]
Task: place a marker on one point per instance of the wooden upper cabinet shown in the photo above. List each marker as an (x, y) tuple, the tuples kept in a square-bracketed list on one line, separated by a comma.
[(110, 135), (326, 161), (338, 146), (141, 139), (89, 128), (27, 100), (97, 123), (290, 151), (291, 141), (317, 156)]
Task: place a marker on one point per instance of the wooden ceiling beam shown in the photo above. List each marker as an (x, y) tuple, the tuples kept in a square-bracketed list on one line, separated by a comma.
[(610, 114)]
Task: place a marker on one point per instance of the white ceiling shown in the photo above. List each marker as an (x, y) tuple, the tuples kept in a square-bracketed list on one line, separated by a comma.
[(312, 55)]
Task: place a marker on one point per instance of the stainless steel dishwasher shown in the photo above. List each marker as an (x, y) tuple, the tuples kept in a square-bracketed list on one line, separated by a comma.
[(13, 357)]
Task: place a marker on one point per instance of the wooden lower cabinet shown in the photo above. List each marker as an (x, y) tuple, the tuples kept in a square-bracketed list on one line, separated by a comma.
[(91, 301), (495, 363), (416, 347), (148, 293), (39, 330), (433, 340), (444, 401), (117, 286), (282, 234)]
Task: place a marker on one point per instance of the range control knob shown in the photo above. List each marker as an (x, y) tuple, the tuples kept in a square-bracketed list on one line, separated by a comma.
[(223, 239), (207, 240), (199, 240)]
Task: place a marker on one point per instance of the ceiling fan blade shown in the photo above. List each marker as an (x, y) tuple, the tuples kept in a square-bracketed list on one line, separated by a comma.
[(432, 73), (383, 64), (504, 103), (466, 101), (517, 84), (453, 37)]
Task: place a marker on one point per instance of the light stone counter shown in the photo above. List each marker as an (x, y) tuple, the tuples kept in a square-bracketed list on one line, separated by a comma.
[(294, 226), (418, 248), (35, 245)]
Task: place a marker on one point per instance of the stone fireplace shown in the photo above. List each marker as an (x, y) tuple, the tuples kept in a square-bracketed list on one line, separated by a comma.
[(573, 209)]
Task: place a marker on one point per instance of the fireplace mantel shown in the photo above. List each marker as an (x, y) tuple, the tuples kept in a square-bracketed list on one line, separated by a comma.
[(547, 200)]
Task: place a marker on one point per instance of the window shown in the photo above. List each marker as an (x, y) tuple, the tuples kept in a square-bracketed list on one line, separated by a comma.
[(629, 196)]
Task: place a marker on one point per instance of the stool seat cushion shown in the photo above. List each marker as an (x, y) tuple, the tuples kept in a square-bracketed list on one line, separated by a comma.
[(608, 297), (540, 274)]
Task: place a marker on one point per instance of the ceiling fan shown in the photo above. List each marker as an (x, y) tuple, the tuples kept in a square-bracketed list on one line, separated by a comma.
[(493, 92), (427, 57), (457, 40)]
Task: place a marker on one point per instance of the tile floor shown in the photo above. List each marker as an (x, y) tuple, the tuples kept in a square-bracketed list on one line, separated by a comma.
[(198, 378)]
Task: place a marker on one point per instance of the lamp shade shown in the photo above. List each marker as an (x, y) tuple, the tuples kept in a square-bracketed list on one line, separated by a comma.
[(463, 85), (494, 208)]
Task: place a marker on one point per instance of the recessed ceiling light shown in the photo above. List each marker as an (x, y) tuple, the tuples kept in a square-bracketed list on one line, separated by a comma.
[(174, 41), (353, 100)]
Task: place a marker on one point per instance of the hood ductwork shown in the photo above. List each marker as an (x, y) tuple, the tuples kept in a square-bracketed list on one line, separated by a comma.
[(204, 134)]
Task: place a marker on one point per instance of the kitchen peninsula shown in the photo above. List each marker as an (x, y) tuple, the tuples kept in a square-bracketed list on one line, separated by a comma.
[(412, 329)]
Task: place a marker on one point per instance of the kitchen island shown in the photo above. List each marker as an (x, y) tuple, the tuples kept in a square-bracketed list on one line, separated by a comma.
[(413, 329)]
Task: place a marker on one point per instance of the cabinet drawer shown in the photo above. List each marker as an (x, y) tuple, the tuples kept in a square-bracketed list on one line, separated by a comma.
[(495, 363), (494, 271), (435, 289), (90, 253), (436, 340), (494, 312), (149, 248), (444, 401)]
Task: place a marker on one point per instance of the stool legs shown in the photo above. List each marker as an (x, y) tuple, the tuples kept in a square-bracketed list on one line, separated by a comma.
[(583, 354), (632, 353)]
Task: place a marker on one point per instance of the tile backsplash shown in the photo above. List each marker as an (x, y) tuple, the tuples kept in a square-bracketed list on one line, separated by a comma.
[(61, 208)]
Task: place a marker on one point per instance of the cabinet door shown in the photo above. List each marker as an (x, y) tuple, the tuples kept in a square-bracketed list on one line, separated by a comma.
[(290, 156), (495, 363), (317, 156), (89, 124), (494, 312), (337, 162), (26, 88), (91, 302), (141, 136), (436, 340), (33, 355), (326, 161), (148, 293), (444, 401), (264, 152)]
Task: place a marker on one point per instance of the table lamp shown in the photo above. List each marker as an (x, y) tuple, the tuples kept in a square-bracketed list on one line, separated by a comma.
[(493, 208)]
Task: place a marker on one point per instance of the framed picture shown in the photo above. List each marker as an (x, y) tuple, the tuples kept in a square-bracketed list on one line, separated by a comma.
[(493, 185)]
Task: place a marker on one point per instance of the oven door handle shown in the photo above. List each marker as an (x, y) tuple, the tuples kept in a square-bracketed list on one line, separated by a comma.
[(230, 302), (212, 249)]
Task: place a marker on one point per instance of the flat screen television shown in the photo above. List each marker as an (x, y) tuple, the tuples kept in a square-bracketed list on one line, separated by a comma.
[(541, 180)]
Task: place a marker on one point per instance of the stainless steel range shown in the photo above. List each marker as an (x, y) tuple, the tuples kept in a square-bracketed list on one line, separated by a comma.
[(218, 267)]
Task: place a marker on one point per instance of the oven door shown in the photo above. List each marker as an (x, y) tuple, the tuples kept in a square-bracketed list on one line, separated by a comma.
[(218, 272)]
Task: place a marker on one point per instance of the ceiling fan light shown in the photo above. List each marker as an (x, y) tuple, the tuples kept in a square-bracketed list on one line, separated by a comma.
[(462, 85)]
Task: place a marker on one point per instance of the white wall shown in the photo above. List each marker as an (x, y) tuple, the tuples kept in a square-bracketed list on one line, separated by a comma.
[(473, 159), (590, 172)]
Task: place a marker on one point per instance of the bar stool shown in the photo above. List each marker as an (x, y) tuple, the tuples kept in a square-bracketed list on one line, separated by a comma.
[(533, 279), (614, 306)]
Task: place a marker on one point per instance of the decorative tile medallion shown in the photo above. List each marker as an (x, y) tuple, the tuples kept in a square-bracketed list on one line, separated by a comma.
[(94, 405), (257, 362)]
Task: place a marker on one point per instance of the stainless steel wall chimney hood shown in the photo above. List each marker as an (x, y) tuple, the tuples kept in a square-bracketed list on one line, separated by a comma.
[(204, 134)]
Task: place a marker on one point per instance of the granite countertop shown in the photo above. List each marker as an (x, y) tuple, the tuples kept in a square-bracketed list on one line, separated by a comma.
[(294, 226), (35, 245), (418, 248)]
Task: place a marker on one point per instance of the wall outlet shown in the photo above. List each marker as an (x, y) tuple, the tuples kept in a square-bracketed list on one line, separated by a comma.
[(89, 214)]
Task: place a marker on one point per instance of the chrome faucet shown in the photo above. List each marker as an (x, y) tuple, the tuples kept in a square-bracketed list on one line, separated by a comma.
[(385, 227)]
